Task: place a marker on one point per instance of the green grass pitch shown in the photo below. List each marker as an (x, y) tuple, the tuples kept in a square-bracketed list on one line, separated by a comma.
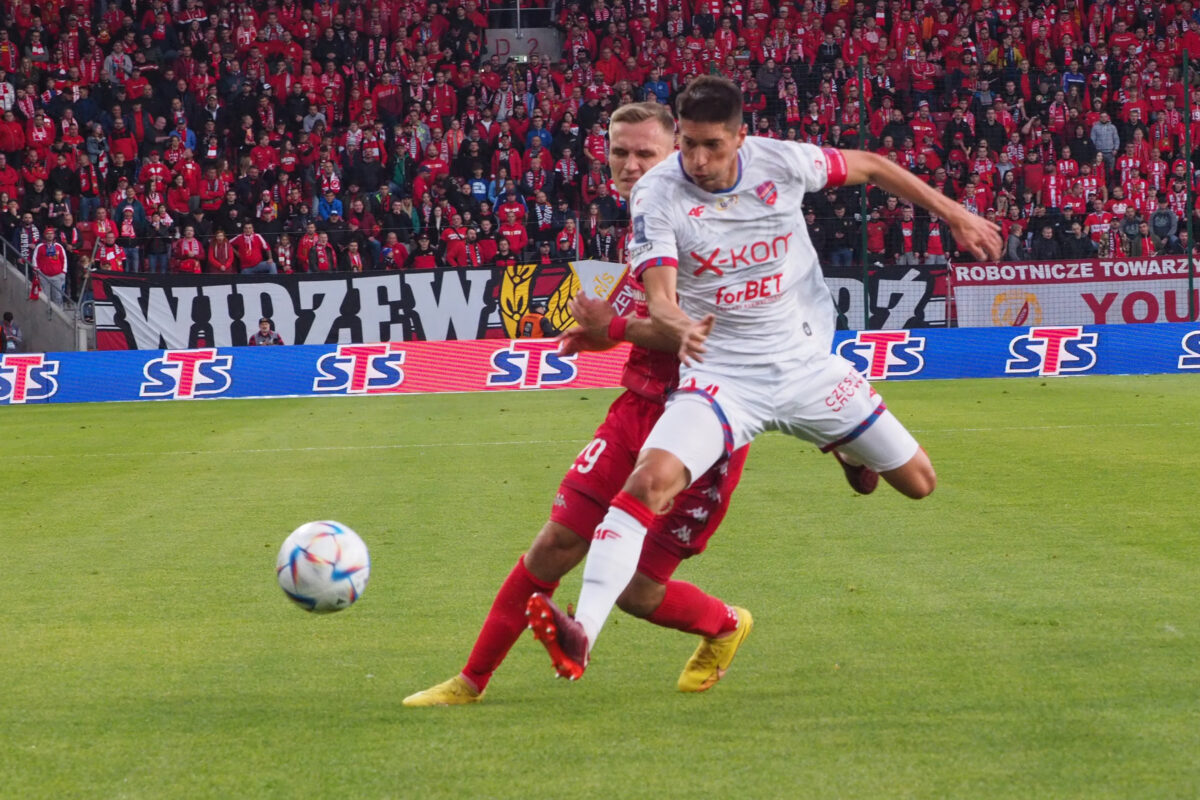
[(1032, 630)]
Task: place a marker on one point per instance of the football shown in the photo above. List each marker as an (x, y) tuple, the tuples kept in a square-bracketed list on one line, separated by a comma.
[(323, 567)]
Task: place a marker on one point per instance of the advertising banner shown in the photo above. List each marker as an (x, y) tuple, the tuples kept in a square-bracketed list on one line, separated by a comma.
[(1072, 292), (139, 311), (527, 364)]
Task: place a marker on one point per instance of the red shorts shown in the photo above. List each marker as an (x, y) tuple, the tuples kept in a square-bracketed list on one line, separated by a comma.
[(602, 468)]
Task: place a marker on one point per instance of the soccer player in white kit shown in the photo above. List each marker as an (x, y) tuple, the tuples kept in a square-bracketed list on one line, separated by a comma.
[(729, 270)]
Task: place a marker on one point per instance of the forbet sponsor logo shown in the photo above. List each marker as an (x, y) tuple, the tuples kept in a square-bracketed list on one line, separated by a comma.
[(1052, 351), (361, 369), (186, 374), (531, 364), (27, 378), (884, 354)]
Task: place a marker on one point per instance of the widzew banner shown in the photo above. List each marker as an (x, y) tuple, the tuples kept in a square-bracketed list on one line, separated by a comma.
[(533, 364), (1072, 292), (140, 311)]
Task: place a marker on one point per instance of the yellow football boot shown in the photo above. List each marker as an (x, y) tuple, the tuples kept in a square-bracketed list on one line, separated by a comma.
[(454, 692), (713, 656)]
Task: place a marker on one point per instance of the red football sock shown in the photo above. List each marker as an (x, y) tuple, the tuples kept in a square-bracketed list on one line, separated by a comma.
[(504, 624), (687, 608)]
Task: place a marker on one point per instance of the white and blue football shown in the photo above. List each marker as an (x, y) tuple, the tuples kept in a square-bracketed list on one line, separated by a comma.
[(323, 567)]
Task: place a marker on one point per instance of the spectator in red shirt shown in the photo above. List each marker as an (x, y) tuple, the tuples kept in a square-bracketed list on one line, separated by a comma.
[(252, 252)]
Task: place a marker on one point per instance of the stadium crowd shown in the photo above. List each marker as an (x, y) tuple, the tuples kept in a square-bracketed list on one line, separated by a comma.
[(272, 136)]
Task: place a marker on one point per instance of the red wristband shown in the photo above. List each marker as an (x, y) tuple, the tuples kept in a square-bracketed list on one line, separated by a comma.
[(616, 328)]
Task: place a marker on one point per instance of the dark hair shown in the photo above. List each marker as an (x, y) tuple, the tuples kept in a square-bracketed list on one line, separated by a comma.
[(710, 98)]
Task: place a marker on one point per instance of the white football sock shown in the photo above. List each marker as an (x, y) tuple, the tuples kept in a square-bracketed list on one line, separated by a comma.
[(611, 563)]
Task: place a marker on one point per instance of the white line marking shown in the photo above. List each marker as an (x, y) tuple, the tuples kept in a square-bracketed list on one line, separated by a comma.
[(525, 442), (248, 450)]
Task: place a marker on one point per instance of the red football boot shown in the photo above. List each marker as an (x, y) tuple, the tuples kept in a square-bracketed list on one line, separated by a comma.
[(862, 478), (560, 634)]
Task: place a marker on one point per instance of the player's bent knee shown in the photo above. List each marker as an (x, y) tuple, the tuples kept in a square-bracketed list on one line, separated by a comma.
[(555, 551), (657, 478), (642, 596), (916, 479)]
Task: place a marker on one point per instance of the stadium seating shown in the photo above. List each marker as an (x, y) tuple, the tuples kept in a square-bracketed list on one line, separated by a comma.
[(125, 125)]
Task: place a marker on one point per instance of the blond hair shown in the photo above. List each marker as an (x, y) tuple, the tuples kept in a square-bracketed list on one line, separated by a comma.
[(633, 113)]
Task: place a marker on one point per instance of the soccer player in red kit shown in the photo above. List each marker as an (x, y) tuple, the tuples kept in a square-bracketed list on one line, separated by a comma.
[(642, 134)]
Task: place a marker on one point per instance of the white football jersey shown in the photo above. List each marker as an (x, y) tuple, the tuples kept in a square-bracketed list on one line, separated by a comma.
[(743, 254)]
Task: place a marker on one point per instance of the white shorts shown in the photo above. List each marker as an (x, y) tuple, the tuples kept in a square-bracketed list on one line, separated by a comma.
[(826, 402)]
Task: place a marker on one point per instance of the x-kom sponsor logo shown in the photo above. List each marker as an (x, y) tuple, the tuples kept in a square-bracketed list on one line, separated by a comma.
[(884, 354), (531, 364), (1052, 351), (361, 368), (25, 378), (186, 374)]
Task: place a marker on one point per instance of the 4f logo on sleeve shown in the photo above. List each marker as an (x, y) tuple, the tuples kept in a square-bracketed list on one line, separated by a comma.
[(1052, 351), (186, 374), (361, 369), (884, 354), (25, 378), (531, 364)]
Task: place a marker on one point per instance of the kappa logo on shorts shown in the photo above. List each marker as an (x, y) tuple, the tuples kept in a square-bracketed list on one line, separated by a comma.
[(187, 374), (27, 377), (1052, 351), (361, 368), (531, 364), (683, 533), (884, 354)]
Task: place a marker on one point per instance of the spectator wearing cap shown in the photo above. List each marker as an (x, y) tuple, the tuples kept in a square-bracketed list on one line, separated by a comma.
[(129, 236), (265, 335), (423, 256)]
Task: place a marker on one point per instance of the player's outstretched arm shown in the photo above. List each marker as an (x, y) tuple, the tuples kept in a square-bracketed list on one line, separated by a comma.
[(670, 319), (971, 232), (599, 328)]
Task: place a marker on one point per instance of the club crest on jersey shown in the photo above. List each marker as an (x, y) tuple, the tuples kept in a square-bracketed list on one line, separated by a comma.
[(186, 374), (884, 354), (531, 364), (1052, 351), (767, 192), (27, 377), (361, 369)]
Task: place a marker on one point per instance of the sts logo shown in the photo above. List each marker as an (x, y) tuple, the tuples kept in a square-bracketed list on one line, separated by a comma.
[(1189, 360), (186, 374), (1052, 351), (884, 354), (531, 364), (27, 377), (361, 368)]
